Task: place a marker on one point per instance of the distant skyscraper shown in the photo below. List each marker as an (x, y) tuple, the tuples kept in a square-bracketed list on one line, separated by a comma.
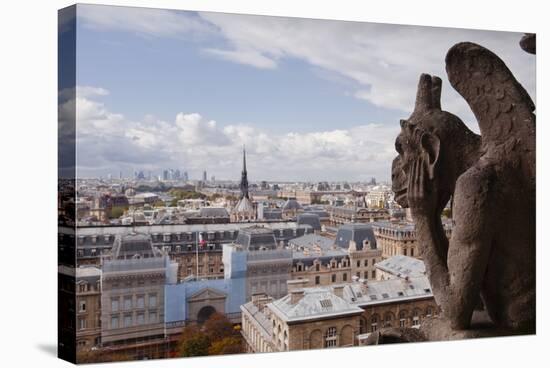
[(165, 175), (185, 176), (204, 176)]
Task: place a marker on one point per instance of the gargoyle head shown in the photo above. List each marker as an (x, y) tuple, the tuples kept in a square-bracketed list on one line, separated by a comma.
[(432, 135)]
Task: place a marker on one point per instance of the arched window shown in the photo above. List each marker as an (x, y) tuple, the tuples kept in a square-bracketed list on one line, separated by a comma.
[(388, 319), (362, 325)]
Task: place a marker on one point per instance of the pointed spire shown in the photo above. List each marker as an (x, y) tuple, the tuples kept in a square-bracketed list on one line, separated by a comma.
[(244, 159), (244, 178)]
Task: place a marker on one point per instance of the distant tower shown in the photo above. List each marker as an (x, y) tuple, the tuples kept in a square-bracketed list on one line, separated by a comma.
[(204, 176), (245, 209), (244, 178)]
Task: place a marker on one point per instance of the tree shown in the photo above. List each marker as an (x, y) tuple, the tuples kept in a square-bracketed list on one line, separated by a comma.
[(227, 345), (116, 212), (218, 327), (193, 342)]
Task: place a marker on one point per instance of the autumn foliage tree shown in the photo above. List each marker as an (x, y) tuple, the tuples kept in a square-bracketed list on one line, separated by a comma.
[(193, 342), (216, 336)]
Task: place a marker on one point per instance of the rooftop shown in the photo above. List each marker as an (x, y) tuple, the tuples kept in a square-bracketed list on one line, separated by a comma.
[(402, 266), (358, 232), (315, 303), (323, 302)]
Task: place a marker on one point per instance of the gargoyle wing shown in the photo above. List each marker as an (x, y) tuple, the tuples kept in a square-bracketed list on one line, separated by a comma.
[(499, 102)]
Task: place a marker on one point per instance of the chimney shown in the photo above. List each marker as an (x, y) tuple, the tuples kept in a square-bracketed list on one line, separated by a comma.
[(296, 296), (338, 290)]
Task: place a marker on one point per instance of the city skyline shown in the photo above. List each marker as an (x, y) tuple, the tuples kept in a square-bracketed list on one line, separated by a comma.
[(158, 88)]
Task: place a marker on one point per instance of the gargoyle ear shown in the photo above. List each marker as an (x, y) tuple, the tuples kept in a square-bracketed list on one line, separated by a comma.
[(436, 92), (431, 146), (424, 99)]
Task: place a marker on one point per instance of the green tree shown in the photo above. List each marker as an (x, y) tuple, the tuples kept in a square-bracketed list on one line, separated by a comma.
[(116, 212)]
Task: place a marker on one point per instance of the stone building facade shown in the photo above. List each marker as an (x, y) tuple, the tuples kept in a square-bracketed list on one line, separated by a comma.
[(133, 282), (399, 238), (180, 241), (342, 215), (321, 261), (88, 308), (334, 316)]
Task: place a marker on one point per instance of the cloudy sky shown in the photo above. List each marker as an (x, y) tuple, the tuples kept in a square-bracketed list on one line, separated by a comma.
[(311, 99)]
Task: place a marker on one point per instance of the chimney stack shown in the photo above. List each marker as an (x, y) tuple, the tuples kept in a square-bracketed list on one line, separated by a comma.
[(296, 296)]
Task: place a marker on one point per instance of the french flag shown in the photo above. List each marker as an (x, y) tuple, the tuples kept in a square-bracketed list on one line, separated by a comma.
[(202, 242)]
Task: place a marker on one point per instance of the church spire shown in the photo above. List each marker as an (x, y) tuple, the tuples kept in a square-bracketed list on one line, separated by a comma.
[(244, 159), (244, 177)]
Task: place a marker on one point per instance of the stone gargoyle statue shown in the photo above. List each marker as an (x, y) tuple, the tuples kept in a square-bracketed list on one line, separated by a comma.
[(490, 181)]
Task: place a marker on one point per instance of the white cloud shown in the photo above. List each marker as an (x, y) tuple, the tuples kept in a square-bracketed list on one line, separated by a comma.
[(108, 142), (252, 58), (143, 21), (384, 60)]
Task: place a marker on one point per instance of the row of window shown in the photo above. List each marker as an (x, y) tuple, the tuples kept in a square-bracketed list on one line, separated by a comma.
[(211, 270), (334, 277), (129, 320), (83, 323), (129, 302), (389, 318), (84, 287)]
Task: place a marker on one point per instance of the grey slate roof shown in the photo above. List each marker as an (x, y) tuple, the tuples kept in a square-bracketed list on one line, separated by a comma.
[(310, 247), (292, 204), (357, 232), (322, 302), (312, 240), (385, 291), (273, 214), (213, 212), (316, 303), (256, 237), (133, 244), (310, 219), (402, 266)]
